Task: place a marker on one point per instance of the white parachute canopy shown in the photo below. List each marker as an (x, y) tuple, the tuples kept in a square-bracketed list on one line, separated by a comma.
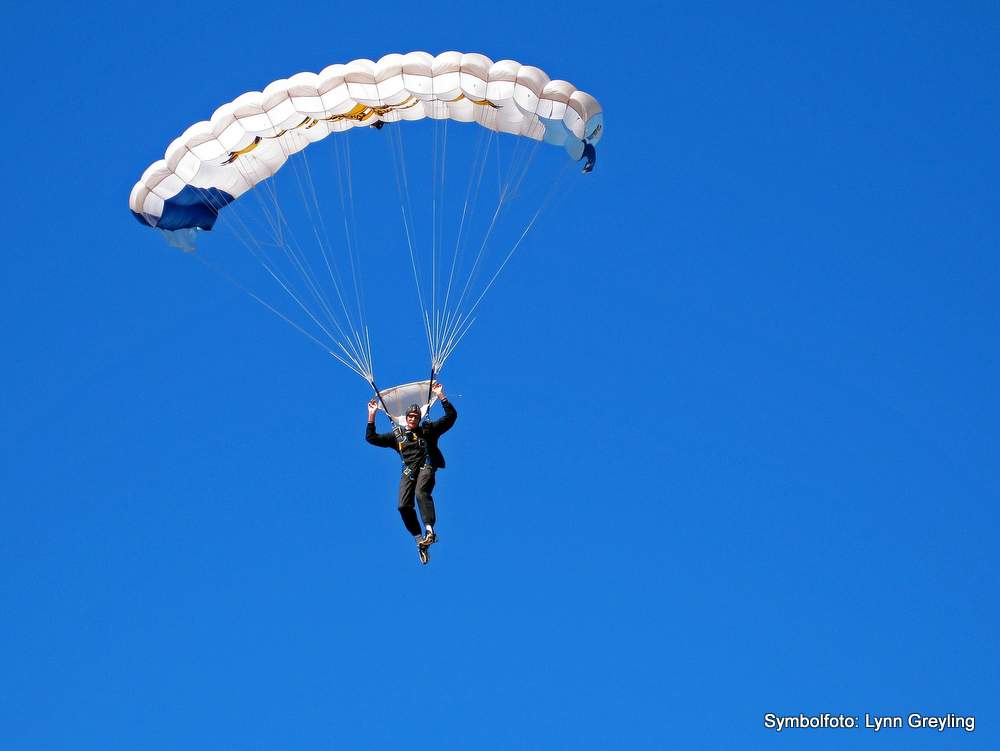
[(398, 400), (249, 139), (457, 153)]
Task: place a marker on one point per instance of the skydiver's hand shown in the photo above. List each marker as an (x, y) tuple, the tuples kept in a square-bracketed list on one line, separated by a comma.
[(372, 408), (438, 389)]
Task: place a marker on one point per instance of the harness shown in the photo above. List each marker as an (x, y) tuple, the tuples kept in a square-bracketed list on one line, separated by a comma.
[(422, 461)]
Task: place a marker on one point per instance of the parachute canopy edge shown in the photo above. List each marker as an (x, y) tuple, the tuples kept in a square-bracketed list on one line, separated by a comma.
[(206, 168)]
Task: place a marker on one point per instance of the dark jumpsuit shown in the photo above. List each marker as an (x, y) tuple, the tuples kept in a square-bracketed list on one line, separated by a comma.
[(421, 459)]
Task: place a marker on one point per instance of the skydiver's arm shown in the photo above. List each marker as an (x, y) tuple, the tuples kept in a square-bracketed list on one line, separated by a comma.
[(444, 424), (385, 440)]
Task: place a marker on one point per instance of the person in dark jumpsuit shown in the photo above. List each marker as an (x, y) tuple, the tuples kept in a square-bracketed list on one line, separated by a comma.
[(417, 446)]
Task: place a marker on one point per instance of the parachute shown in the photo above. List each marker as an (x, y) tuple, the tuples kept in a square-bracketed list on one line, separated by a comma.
[(396, 400), (209, 172)]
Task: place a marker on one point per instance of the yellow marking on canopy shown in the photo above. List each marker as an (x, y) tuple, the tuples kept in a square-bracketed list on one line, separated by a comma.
[(359, 113), (234, 155), (480, 102)]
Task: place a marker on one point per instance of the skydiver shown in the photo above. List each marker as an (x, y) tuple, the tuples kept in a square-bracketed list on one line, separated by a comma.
[(417, 446)]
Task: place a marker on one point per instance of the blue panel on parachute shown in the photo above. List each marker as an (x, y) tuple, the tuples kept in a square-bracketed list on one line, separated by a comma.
[(192, 207)]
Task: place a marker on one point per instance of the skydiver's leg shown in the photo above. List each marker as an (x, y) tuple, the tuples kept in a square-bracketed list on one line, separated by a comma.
[(425, 484), (407, 486)]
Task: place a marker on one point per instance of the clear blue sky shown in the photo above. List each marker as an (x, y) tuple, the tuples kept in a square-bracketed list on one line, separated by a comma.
[(727, 440)]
